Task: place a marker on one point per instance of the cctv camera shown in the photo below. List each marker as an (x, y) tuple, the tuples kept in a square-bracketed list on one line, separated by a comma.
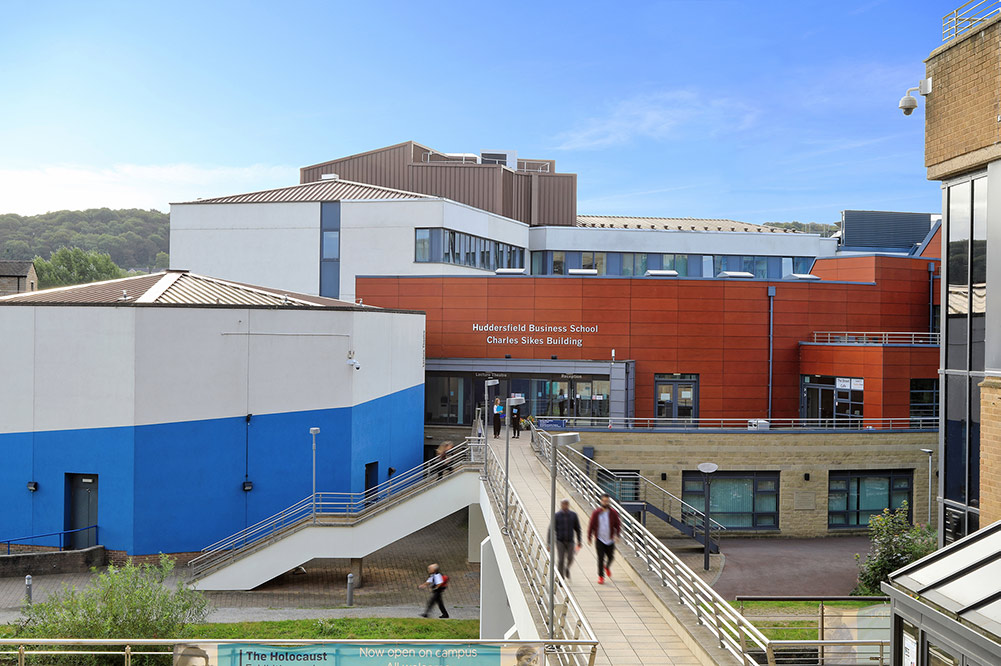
[(357, 365), (908, 104)]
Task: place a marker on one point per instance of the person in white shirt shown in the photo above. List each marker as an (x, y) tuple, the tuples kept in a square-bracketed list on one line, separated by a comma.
[(438, 584), (606, 526)]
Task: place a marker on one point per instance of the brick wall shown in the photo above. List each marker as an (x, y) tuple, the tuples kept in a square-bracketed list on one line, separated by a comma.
[(962, 130), (802, 503), (8, 285), (990, 451), (52, 562)]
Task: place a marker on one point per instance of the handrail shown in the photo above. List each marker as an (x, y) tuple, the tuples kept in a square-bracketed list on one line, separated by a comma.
[(686, 509), (733, 632), (844, 422), (877, 337), (967, 16), (532, 552), (48, 534), (336, 508)]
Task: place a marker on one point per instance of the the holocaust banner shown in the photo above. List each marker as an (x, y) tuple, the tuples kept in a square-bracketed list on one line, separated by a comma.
[(347, 654)]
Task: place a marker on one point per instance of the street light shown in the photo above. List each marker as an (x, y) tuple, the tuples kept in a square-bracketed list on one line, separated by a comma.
[(929, 452), (706, 468), (507, 453), (314, 432), (486, 403), (561, 439)]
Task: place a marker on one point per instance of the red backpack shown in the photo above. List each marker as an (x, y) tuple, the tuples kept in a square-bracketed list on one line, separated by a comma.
[(444, 581)]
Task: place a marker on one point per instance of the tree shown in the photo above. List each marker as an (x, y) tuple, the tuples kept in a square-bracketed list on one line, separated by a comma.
[(17, 249), (74, 266), (162, 261), (894, 543)]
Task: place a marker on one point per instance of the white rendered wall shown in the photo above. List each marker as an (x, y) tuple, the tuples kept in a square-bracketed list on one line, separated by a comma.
[(684, 242), (93, 367), (377, 237), (273, 245)]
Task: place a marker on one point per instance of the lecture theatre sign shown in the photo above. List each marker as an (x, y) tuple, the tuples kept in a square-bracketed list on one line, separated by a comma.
[(551, 335)]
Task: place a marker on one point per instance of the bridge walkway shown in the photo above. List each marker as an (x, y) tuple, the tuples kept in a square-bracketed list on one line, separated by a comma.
[(631, 630)]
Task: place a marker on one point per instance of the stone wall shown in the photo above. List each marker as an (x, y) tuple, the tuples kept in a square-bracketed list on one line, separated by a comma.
[(963, 111), (990, 451), (52, 562)]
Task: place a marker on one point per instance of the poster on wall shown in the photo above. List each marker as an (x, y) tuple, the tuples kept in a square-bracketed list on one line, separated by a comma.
[(909, 651), (858, 384), (843, 383), (346, 654)]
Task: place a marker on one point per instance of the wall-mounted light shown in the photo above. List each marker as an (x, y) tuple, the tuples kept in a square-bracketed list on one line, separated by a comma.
[(554, 357), (806, 476), (663, 476), (32, 486), (248, 486)]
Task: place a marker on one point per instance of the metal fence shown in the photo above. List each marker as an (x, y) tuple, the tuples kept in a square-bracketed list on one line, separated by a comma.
[(732, 631), (967, 16), (336, 509), (877, 337), (837, 423), (533, 555)]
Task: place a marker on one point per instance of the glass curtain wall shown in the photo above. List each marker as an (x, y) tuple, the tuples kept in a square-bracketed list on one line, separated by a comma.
[(964, 325)]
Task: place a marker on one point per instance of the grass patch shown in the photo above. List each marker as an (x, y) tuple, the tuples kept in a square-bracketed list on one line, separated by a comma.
[(794, 620), (333, 629)]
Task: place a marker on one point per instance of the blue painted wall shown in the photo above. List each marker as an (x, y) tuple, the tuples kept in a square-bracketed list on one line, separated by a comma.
[(177, 487)]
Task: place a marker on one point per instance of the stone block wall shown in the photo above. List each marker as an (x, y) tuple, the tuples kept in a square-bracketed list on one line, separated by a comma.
[(990, 451)]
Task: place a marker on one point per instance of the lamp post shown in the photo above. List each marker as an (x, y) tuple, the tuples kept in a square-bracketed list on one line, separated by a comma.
[(929, 452), (706, 468), (562, 439), (510, 402), (314, 432), (487, 383)]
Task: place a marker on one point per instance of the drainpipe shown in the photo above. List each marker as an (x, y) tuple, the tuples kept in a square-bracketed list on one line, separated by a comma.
[(931, 296), (771, 344)]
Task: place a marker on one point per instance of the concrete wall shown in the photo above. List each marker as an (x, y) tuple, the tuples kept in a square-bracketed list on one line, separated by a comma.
[(802, 503), (52, 562), (173, 408), (961, 127)]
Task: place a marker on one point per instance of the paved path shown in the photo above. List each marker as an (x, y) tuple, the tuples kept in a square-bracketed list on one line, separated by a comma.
[(630, 628)]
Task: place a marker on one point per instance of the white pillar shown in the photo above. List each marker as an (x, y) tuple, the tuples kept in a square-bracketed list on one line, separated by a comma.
[(477, 533), (496, 620)]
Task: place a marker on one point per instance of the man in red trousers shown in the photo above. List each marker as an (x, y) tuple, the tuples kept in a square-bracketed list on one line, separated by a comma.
[(605, 527)]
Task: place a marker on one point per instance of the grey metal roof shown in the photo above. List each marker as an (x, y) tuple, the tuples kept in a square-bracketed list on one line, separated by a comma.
[(10, 268), (674, 224), (962, 580), (323, 190), (172, 288)]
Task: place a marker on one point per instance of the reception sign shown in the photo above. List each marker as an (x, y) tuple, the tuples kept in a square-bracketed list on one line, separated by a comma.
[(348, 654)]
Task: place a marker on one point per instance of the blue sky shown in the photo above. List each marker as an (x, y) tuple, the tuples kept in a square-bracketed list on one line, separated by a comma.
[(756, 111)]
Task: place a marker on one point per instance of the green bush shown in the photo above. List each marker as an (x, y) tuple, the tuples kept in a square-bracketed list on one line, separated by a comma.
[(894, 543), (131, 601)]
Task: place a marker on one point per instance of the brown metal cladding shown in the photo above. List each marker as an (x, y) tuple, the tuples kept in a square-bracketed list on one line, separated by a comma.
[(557, 199), (386, 167), (478, 185)]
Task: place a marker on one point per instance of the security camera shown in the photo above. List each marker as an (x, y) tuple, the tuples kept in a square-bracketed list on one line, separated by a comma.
[(908, 104), (355, 363)]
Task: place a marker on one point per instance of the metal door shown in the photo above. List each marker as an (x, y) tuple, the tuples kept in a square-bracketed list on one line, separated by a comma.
[(82, 510), (371, 481)]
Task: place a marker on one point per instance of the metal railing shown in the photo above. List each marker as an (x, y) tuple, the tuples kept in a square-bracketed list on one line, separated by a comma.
[(839, 423), (633, 487), (537, 166), (732, 631), (967, 16), (62, 541), (877, 337), (559, 650), (336, 509), (533, 555)]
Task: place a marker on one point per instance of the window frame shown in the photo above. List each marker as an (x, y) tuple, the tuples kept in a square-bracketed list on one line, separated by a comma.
[(892, 475), (758, 478)]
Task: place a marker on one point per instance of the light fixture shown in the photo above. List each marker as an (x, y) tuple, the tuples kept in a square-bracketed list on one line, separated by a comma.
[(707, 468), (248, 486), (558, 440), (511, 402), (32, 486), (554, 357)]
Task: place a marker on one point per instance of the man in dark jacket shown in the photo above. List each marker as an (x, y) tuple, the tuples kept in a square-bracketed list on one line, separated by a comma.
[(605, 527), (567, 525)]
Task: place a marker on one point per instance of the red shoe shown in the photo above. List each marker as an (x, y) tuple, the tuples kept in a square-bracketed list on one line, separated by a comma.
[(608, 572), (601, 580)]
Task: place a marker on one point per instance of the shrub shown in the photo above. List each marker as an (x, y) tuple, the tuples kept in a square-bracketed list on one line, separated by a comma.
[(123, 602), (894, 543)]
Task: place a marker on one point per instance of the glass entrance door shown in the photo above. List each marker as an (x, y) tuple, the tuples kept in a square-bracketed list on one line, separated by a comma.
[(677, 397)]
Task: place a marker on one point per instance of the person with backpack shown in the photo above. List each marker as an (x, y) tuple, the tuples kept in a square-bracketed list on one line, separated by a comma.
[(438, 583)]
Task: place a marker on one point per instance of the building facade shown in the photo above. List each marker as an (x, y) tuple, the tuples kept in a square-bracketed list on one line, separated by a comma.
[(17, 277), (173, 410)]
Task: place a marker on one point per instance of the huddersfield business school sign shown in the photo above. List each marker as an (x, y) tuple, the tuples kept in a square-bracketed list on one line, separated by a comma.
[(348, 654), (553, 335)]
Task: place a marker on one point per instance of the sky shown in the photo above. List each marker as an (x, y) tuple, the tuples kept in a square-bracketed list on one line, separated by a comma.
[(758, 111)]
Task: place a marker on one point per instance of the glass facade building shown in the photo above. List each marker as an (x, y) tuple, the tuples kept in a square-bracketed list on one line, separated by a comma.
[(636, 264)]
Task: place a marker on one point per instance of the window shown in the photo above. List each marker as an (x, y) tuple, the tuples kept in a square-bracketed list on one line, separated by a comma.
[(832, 401), (594, 260), (737, 500), (924, 401), (331, 245), (854, 497), (422, 246), (676, 262), (633, 264)]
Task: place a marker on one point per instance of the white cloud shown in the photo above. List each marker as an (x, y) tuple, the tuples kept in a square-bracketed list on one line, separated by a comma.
[(74, 187), (660, 116)]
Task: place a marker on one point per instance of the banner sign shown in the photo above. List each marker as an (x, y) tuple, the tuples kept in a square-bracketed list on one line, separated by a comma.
[(547, 424), (346, 654)]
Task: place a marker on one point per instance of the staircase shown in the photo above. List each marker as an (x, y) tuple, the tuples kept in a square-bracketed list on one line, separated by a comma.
[(297, 534), (636, 493)]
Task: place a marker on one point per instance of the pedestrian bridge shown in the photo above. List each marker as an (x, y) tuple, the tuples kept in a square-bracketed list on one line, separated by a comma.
[(653, 610)]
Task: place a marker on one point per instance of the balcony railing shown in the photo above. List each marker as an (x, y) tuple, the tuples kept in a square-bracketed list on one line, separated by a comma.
[(967, 16), (877, 337), (839, 423)]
